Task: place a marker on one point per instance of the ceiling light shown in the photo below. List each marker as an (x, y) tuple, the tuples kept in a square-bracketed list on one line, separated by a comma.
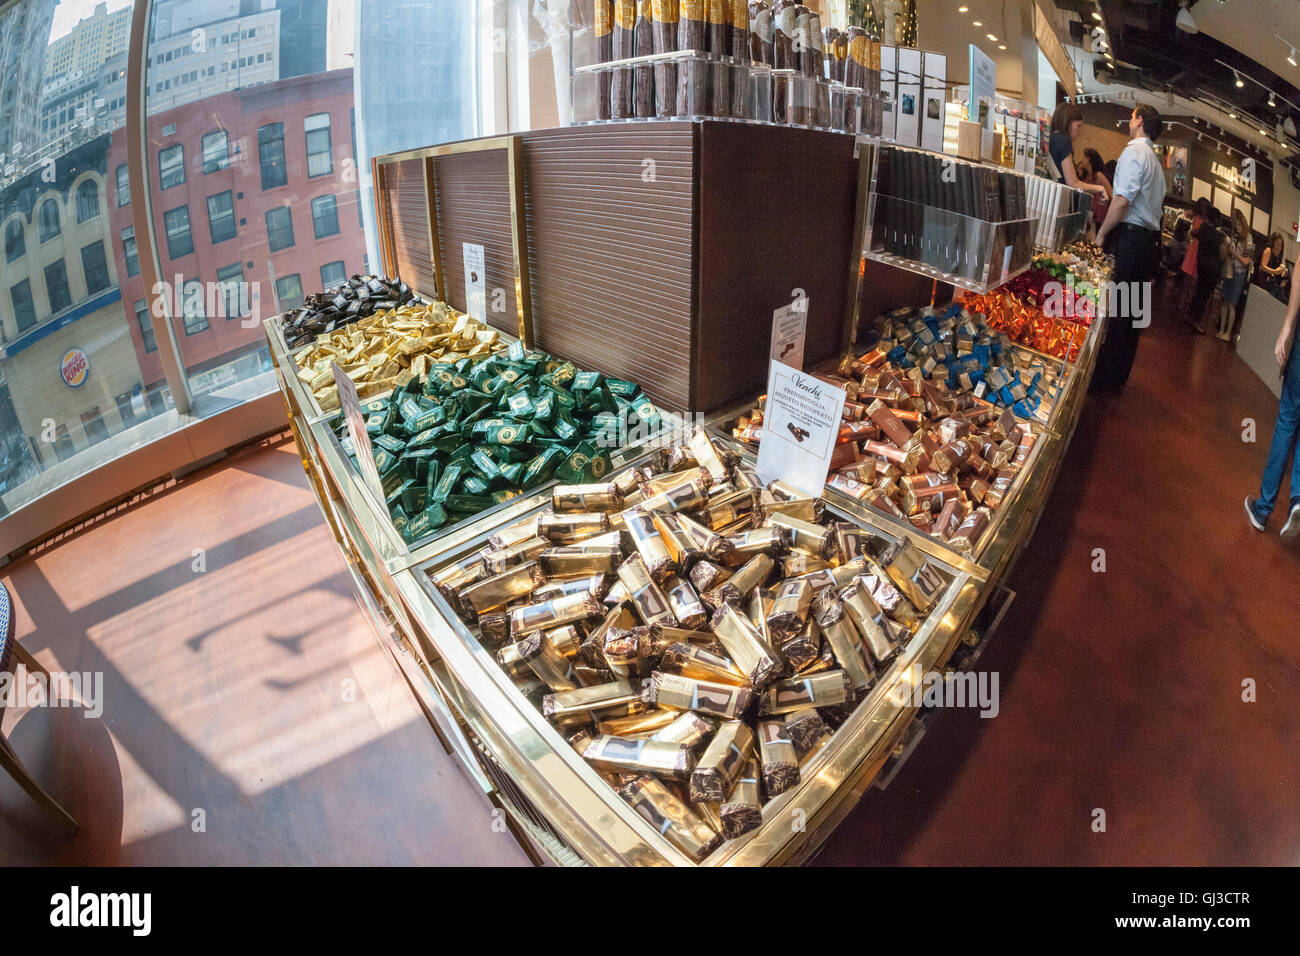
[(992, 37), (1185, 22), (962, 9), (1002, 46), (1291, 59), (1240, 81), (1288, 124), (1272, 99), (1232, 116), (1096, 16), (977, 23)]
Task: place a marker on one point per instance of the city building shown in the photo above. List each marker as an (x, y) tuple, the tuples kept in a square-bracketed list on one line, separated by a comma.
[(197, 62), (24, 35), (94, 39)]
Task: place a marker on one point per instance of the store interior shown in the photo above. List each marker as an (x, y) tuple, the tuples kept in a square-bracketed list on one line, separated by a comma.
[(396, 462)]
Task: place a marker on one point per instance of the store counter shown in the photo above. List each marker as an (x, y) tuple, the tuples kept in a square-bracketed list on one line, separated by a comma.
[(1260, 324)]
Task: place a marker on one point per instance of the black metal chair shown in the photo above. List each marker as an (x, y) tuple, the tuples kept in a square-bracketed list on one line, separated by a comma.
[(12, 653)]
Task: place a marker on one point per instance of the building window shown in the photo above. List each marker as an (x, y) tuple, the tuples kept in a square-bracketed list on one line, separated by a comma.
[(124, 409), (324, 216), (95, 267), (93, 423), (49, 220), (24, 308), (15, 244), (231, 280), (171, 166), (270, 153), (63, 448), (177, 223), (196, 319), (332, 274), (87, 201), (129, 251), (216, 153), (289, 291), (146, 325), (56, 285), (221, 216), (319, 161), (279, 228)]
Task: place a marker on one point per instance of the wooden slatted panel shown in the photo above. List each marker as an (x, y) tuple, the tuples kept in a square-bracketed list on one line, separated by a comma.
[(610, 221), (408, 211)]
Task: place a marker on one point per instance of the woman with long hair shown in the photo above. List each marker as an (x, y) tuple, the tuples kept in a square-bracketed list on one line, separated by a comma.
[(1272, 264), (1241, 255), (1089, 170), (1066, 123)]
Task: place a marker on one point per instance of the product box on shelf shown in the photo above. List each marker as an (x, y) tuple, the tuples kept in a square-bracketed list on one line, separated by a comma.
[(889, 92), (934, 92), (908, 130)]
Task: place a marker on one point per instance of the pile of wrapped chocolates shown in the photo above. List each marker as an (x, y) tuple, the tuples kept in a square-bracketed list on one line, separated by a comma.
[(464, 436), (357, 298), (1021, 319), (697, 637), (943, 460), (390, 348)]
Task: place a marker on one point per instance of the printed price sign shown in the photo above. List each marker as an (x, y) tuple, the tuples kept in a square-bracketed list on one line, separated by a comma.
[(475, 282), (801, 421), (351, 405), (789, 325)]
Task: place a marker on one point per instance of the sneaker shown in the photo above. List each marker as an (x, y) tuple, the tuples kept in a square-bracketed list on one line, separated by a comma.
[(1250, 513), (1292, 526), (1222, 336)]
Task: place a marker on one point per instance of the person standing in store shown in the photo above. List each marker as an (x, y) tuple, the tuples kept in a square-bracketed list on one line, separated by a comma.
[(1211, 254), (1200, 213), (1272, 266), (1089, 170), (1283, 447), (1131, 233), (1066, 123), (1241, 253)]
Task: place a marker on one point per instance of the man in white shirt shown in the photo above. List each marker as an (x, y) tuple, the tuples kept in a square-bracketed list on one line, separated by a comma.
[(1131, 233)]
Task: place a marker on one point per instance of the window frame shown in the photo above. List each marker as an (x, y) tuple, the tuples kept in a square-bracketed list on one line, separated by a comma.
[(265, 142), (214, 166), (83, 203), (315, 219), (212, 227), (173, 149), (328, 150), (130, 253), (49, 203), (189, 231), (280, 297), (145, 320), (288, 213), (59, 267), (24, 283), (224, 281), (22, 239), (85, 268), (343, 271), (185, 317)]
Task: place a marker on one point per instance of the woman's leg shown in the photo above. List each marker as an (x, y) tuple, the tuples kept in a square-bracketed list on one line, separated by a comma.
[(1281, 451)]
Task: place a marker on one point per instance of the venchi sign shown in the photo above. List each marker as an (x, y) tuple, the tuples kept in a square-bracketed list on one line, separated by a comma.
[(74, 367)]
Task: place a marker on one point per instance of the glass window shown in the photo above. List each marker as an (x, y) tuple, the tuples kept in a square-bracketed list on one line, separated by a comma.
[(24, 308), (288, 290), (130, 255), (221, 216), (279, 228), (87, 201), (56, 286), (49, 220), (171, 166), (15, 243), (125, 411), (332, 273), (231, 279), (145, 320), (270, 153), (215, 151), (95, 267), (93, 423), (196, 319), (63, 447), (177, 223), (123, 186), (324, 216), (319, 160)]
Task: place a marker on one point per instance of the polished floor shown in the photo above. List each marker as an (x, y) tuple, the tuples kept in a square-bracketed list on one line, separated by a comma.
[(250, 717)]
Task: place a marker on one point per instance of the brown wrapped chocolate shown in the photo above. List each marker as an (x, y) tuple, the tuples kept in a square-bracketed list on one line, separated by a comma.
[(685, 604), (777, 756), (688, 729), (721, 763), (745, 646), (571, 528), (688, 693), (664, 23), (616, 698), (496, 591), (691, 660), (826, 689), (586, 498), (742, 811), (547, 614), (808, 732), (649, 543), (546, 662), (801, 649), (706, 576), (692, 74), (789, 609), (647, 598), (631, 755), (494, 628), (670, 816), (842, 638), (604, 53), (737, 588), (627, 653), (624, 47)]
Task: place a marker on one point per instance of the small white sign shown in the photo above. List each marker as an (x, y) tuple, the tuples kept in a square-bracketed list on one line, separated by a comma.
[(475, 282), (789, 325), (800, 424), (356, 422)]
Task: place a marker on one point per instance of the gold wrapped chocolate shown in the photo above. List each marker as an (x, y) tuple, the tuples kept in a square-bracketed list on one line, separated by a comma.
[(571, 528), (546, 662), (649, 544), (511, 660), (514, 534), (632, 755), (579, 560), (617, 594), (714, 546), (801, 649), (784, 491), (721, 763), (679, 496), (627, 481), (566, 639), (805, 509), (842, 638), (692, 660), (553, 613), (866, 616), (798, 563), (851, 541), (836, 577), (595, 584), (587, 498), (742, 811), (671, 817), (808, 732), (789, 609), (688, 729), (744, 645), (687, 693), (913, 574), (891, 600), (735, 589), (627, 652), (706, 454), (706, 576), (663, 636), (681, 546), (747, 544), (634, 725), (649, 601), (815, 538), (777, 756), (495, 591), (494, 628), (728, 509), (826, 689), (602, 700), (685, 604), (460, 574)]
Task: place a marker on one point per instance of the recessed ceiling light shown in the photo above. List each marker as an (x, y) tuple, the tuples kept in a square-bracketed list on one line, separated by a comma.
[(992, 36), (1240, 81), (1096, 16), (978, 23), (1232, 116), (1002, 46), (962, 9)]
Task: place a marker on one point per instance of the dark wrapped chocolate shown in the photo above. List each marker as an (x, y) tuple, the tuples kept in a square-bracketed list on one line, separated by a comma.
[(722, 762)]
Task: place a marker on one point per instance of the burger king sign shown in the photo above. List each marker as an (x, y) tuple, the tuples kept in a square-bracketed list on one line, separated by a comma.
[(74, 367)]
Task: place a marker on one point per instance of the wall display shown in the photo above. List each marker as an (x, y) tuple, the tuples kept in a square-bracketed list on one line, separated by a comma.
[(1223, 200), (908, 127), (1201, 189), (1260, 221), (983, 90), (934, 92)]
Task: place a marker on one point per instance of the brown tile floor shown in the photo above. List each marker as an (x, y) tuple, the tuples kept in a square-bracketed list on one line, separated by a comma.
[(1119, 691)]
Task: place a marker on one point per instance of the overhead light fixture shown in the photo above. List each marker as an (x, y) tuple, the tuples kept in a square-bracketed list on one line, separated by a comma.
[(1096, 16), (977, 23), (1002, 46), (992, 36), (1272, 99), (1291, 59), (1232, 116), (1288, 125), (1240, 81), (1186, 22), (962, 9)]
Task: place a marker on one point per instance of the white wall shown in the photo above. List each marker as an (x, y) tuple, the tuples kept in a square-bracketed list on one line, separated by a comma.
[(1286, 207)]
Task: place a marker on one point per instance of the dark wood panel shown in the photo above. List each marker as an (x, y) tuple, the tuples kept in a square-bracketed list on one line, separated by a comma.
[(408, 212)]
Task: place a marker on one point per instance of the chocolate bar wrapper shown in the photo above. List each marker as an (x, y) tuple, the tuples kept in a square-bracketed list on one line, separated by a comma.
[(826, 689), (580, 560), (691, 660), (616, 698), (617, 594), (721, 763), (510, 658), (715, 546), (777, 756), (842, 638), (514, 534), (805, 509), (628, 480), (815, 538), (745, 545), (647, 598), (635, 725), (681, 547), (679, 496), (706, 454), (866, 615), (495, 591), (891, 600), (789, 609), (735, 589), (571, 528), (630, 755), (727, 509), (916, 577), (596, 584), (650, 544), (494, 628), (706, 576), (710, 697), (799, 563), (460, 574), (671, 816), (688, 729), (592, 650), (664, 23), (566, 639), (808, 732), (801, 649), (851, 541), (626, 653), (742, 811), (970, 531), (546, 662), (760, 603), (586, 498), (744, 645), (553, 613), (654, 483), (663, 636), (685, 605), (592, 676)]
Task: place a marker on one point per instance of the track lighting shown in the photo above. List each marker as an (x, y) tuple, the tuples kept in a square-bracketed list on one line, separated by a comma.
[(1185, 21)]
